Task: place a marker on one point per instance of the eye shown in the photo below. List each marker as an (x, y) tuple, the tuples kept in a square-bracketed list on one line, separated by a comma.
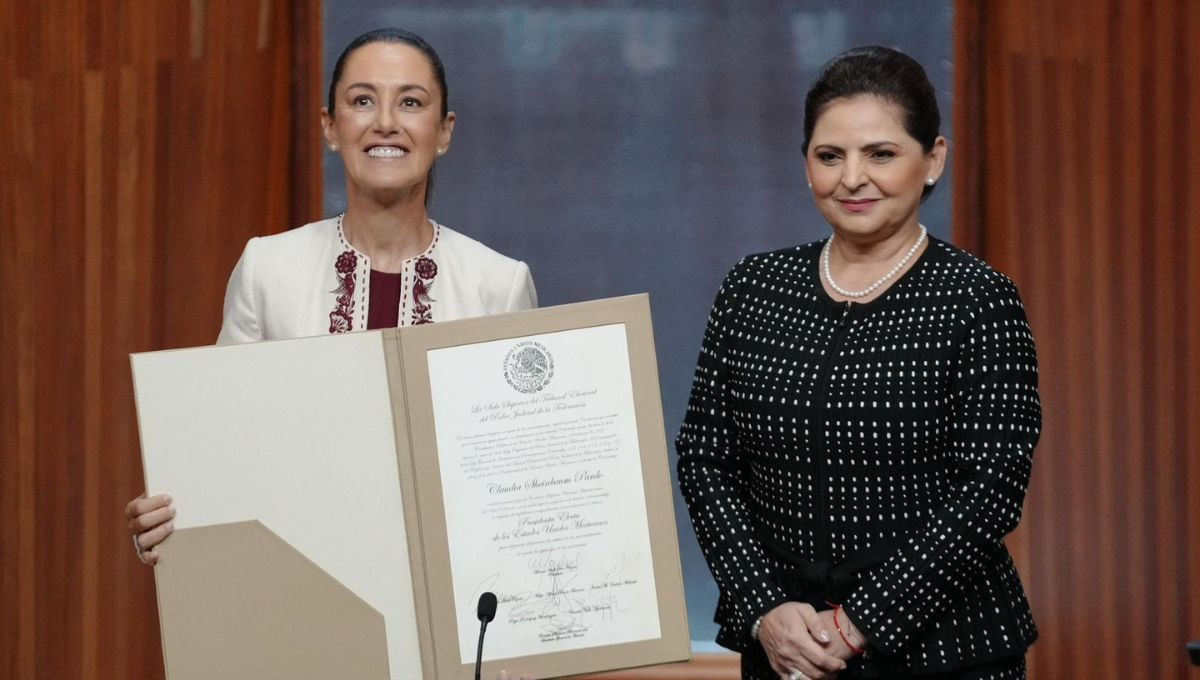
[(361, 100), (411, 103), (883, 155), (827, 157)]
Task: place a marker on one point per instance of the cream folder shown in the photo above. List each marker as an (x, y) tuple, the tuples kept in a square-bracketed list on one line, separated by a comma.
[(311, 535)]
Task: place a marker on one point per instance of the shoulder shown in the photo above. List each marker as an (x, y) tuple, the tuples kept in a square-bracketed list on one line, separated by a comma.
[(785, 278), (783, 263), (481, 280), (315, 236), (955, 274), (294, 248), (951, 266), (459, 247), (292, 260)]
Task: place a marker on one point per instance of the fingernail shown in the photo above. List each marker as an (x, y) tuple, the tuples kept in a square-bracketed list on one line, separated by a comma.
[(167, 497), (172, 509), (824, 636)]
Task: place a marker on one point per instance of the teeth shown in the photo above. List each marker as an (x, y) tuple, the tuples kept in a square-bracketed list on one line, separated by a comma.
[(385, 152)]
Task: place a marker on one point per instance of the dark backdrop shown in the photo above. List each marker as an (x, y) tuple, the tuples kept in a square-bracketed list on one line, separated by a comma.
[(626, 147)]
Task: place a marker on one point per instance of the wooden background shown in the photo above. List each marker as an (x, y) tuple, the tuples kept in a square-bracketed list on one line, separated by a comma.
[(1078, 175), (145, 141)]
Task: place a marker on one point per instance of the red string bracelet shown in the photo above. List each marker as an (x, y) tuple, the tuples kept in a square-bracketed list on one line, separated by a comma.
[(857, 650)]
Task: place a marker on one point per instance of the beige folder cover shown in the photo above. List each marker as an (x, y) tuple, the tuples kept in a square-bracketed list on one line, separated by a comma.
[(297, 436), (311, 541), (239, 584)]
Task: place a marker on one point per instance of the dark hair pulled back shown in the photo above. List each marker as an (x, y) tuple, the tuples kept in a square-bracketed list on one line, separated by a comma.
[(391, 35)]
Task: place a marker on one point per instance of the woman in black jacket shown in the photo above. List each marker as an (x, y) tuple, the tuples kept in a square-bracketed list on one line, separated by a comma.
[(861, 425)]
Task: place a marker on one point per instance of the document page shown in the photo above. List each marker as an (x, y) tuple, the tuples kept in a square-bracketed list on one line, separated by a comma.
[(544, 498)]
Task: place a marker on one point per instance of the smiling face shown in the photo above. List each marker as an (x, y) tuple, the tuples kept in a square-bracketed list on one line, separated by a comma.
[(387, 124), (867, 172)]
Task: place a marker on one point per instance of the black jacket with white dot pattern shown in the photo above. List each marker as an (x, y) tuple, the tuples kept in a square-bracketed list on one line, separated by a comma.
[(832, 428)]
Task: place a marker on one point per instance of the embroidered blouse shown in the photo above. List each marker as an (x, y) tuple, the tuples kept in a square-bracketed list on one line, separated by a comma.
[(311, 281), (823, 430)]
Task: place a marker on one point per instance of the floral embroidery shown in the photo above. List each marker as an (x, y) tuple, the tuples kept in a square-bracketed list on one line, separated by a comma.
[(341, 319), (425, 269)]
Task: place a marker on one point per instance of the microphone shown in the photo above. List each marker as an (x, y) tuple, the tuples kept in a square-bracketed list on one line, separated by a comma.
[(486, 611)]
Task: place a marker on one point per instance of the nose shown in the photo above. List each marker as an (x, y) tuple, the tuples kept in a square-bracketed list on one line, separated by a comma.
[(385, 120), (854, 173)]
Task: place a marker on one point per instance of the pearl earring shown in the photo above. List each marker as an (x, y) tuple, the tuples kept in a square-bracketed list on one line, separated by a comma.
[(930, 181), (333, 147), (441, 151)]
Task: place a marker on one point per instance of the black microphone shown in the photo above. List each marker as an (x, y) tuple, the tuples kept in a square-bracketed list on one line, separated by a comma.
[(486, 611)]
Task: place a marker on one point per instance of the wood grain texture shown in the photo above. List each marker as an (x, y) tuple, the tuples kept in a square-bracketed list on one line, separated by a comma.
[(139, 162), (701, 667), (1084, 190)]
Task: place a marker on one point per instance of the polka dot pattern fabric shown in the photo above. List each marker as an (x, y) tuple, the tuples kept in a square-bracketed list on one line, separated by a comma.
[(832, 428), (756, 667)]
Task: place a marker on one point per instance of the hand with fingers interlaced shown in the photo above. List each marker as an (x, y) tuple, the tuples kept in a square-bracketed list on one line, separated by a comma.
[(151, 521), (800, 644)]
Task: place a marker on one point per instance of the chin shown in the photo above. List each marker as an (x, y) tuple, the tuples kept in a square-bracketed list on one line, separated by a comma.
[(390, 194), (864, 229)]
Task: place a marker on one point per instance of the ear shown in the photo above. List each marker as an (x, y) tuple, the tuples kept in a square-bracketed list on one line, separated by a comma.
[(327, 127), (447, 130), (937, 158)]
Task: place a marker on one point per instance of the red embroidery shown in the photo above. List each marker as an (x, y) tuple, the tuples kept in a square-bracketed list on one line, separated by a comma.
[(426, 269), (341, 319)]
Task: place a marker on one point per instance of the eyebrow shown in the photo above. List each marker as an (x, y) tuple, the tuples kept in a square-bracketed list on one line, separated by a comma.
[(403, 88), (870, 146)]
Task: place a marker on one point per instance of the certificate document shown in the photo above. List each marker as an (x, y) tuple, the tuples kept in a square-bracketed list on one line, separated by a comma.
[(539, 454), (345, 500)]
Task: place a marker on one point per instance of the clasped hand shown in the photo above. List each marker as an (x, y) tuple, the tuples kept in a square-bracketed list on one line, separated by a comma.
[(796, 637)]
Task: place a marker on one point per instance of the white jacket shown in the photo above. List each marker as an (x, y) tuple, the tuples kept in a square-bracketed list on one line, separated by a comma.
[(311, 281)]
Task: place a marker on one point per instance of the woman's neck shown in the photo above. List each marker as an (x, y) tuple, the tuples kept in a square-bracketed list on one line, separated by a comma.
[(388, 234), (867, 264), (857, 251)]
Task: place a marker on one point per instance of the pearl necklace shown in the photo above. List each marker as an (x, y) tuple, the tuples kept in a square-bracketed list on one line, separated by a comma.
[(869, 289)]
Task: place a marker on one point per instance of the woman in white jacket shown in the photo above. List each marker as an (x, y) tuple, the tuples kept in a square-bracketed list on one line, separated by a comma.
[(382, 263)]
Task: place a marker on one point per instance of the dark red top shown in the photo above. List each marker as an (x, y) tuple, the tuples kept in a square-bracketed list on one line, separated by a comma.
[(384, 309)]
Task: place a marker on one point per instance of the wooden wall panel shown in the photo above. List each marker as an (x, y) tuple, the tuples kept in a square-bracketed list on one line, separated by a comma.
[(144, 143), (719, 666), (1077, 177)]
